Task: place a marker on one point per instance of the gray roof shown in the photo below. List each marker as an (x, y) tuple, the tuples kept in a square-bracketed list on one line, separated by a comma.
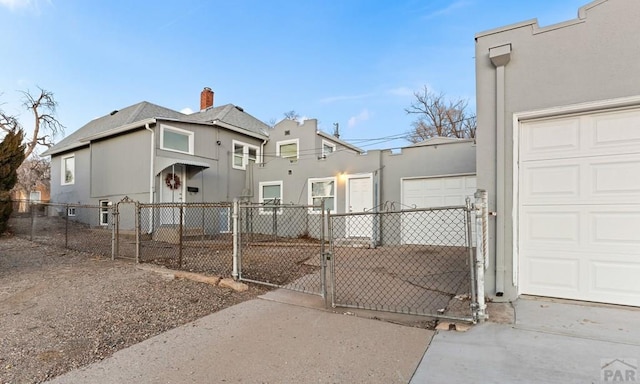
[(229, 114)]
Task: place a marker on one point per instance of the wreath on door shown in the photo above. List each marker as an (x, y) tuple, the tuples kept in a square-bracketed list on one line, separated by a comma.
[(172, 181)]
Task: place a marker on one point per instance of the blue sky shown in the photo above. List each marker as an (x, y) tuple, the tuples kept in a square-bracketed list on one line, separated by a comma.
[(354, 62)]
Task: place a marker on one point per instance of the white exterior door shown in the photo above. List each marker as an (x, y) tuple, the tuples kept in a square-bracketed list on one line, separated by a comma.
[(579, 207), (434, 192), (172, 191), (359, 199)]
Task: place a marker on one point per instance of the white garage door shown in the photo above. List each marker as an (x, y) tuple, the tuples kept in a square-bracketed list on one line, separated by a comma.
[(579, 207), (435, 192)]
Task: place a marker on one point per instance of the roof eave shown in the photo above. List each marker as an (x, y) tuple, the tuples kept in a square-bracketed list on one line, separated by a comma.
[(341, 142), (243, 131)]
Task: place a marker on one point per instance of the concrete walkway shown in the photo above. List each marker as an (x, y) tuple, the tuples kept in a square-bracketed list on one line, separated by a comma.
[(550, 342), (265, 341), (270, 340)]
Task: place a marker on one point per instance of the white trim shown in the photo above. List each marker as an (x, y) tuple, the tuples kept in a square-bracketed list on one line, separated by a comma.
[(439, 176), (310, 181), (63, 169), (102, 211), (38, 200), (287, 142), (608, 105), (261, 184), (190, 137), (71, 211), (328, 144), (245, 154), (347, 178)]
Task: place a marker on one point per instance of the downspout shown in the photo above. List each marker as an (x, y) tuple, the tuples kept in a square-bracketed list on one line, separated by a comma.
[(500, 56), (151, 161)]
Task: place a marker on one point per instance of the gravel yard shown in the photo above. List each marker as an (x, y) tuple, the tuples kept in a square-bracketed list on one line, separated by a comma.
[(62, 309)]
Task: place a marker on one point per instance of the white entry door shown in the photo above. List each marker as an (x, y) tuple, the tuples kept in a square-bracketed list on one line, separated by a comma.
[(359, 199), (172, 191), (579, 207)]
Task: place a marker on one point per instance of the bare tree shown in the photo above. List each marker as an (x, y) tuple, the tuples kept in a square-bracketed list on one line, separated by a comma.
[(46, 125), (292, 115), (438, 116)]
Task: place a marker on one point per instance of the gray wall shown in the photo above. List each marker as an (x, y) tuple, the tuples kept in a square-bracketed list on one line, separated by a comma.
[(592, 58), (79, 191)]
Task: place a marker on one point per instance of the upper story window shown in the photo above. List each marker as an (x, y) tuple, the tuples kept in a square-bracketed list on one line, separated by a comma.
[(288, 149), (320, 189), (68, 168), (327, 148), (244, 154), (176, 139)]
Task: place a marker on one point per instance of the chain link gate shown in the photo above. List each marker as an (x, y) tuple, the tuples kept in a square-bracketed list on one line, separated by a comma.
[(125, 229), (418, 261), (281, 246)]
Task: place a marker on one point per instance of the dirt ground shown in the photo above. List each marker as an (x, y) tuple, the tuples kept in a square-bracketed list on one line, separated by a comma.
[(62, 309)]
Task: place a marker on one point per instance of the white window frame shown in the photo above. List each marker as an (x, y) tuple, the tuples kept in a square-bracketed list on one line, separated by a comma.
[(63, 169), (327, 144), (287, 142), (35, 201), (71, 211), (189, 134), (105, 207), (310, 191), (245, 153), (261, 195)]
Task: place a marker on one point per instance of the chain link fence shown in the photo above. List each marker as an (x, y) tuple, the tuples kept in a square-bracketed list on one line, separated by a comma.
[(87, 228), (414, 261), (188, 236), (282, 246)]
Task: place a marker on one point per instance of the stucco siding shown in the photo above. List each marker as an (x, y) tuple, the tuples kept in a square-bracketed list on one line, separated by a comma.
[(589, 59)]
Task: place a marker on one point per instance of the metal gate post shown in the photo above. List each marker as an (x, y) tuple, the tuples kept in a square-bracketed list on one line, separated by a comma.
[(137, 225), (180, 229), (66, 226), (116, 232), (481, 249), (472, 264), (236, 249), (332, 260), (323, 254), (33, 221)]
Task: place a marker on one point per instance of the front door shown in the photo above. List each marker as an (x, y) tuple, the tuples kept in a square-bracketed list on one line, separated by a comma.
[(172, 191), (359, 199)]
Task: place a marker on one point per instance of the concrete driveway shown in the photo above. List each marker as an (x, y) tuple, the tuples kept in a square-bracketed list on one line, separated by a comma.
[(550, 342)]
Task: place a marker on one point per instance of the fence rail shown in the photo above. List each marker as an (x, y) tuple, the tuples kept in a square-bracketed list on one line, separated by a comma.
[(416, 261), (87, 228), (282, 246)]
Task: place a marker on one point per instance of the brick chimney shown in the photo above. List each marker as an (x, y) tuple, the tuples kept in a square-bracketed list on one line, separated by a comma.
[(206, 98)]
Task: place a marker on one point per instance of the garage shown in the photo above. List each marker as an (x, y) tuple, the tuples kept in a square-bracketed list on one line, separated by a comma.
[(578, 209), (432, 192)]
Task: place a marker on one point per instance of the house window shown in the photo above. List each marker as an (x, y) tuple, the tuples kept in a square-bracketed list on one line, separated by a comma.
[(177, 140), (327, 148), (244, 154), (68, 170), (270, 194), (105, 206), (35, 196), (322, 189), (288, 149), (71, 211)]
